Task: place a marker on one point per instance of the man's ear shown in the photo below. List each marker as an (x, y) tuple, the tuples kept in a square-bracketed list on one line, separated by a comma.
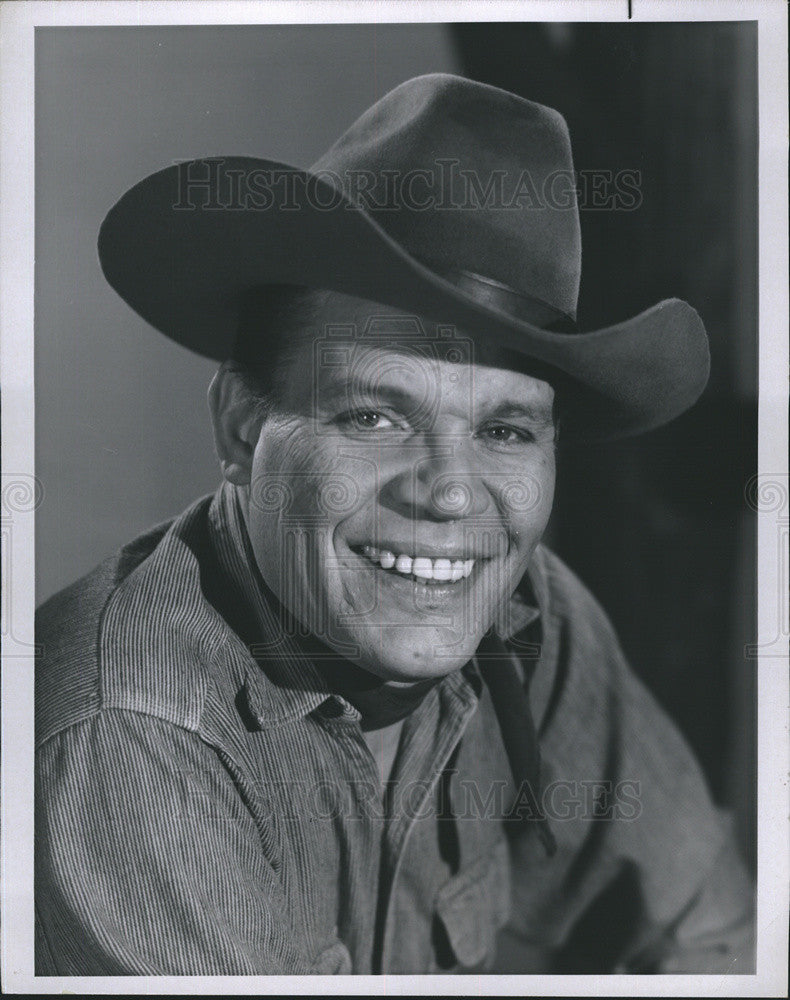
[(236, 423)]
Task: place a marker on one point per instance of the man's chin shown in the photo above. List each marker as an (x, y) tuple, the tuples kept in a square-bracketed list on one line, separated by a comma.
[(399, 657)]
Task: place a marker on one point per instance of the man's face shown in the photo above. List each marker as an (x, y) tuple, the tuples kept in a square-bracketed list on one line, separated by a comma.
[(399, 488)]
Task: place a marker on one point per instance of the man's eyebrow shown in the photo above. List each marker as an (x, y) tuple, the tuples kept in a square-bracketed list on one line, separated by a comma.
[(538, 413)]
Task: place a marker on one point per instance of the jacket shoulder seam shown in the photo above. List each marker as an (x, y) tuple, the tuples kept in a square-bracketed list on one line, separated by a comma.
[(104, 710)]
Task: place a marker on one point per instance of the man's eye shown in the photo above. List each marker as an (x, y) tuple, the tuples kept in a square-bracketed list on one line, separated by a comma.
[(503, 434), (364, 420)]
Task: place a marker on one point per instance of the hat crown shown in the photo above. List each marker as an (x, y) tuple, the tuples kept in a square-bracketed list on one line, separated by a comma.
[(468, 177)]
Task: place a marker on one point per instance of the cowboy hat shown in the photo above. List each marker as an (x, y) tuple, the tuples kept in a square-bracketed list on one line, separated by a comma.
[(448, 198)]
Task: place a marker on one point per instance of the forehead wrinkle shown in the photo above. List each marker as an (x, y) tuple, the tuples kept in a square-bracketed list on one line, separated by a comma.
[(522, 395), (531, 398), (342, 389), (366, 353)]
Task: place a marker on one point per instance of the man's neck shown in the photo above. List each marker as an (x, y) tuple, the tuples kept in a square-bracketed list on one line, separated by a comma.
[(381, 704)]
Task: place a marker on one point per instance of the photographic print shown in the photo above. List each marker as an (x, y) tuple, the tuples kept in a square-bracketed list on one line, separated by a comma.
[(404, 471)]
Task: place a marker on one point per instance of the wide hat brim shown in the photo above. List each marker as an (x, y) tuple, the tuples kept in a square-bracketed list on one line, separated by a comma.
[(186, 270)]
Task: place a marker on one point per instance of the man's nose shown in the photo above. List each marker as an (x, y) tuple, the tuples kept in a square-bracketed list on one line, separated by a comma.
[(440, 483)]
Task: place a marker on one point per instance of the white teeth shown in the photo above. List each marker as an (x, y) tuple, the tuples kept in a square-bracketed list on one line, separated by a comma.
[(423, 568), (441, 570), (403, 564)]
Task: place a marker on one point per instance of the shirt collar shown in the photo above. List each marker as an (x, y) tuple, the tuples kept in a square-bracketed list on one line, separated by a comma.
[(287, 684)]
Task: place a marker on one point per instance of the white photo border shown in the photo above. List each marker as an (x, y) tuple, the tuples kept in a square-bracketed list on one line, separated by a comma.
[(18, 22)]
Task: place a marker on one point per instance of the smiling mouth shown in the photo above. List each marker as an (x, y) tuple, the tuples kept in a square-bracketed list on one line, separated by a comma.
[(421, 569)]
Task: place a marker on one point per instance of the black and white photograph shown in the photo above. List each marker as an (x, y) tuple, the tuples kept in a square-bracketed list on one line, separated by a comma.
[(395, 500)]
